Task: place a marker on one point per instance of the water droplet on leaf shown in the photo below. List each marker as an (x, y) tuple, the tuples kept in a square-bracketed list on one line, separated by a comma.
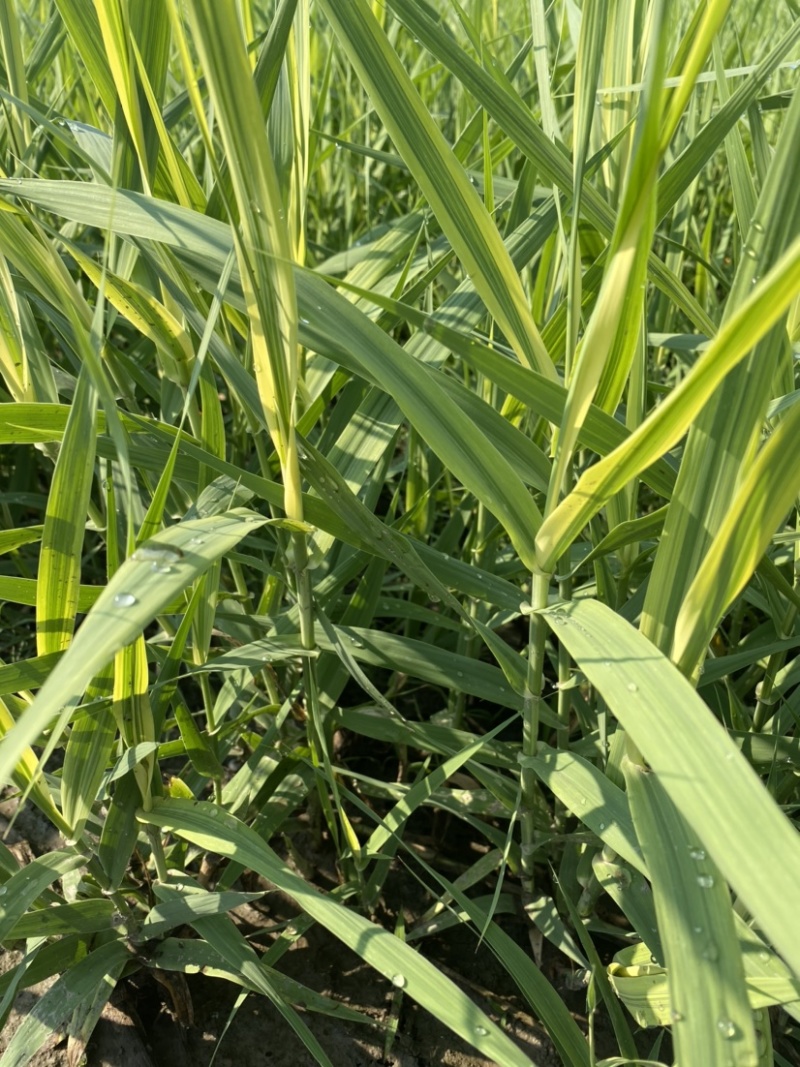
[(399, 981), (157, 554), (727, 1027), (705, 881), (124, 600)]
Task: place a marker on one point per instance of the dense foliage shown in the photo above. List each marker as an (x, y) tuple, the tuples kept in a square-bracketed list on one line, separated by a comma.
[(399, 424)]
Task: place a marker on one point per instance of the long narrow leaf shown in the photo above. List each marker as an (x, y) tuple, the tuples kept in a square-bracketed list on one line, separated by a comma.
[(700, 767)]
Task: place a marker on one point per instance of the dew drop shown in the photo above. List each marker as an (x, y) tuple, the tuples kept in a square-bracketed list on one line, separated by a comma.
[(697, 853), (124, 600), (304, 322), (606, 662), (697, 929), (399, 981), (764, 957), (601, 826), (705, 881), (481, 1031), (197, 541), (676, 1016), (3, 890), (157, 554), (633, 687), (710, 952), (213, 813), (727, 1027), (161, 568)]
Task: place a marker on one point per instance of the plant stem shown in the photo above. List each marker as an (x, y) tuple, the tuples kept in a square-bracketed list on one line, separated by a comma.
[(530, 725)]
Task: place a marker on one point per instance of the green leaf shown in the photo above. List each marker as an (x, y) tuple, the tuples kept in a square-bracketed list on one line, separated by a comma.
[(75, 987), (711, 1018), (64, 525), (764, 497), (443, 180), (24, 887), (702, 770), (140, 589), (212, 828), (590, 796), (666, 425)]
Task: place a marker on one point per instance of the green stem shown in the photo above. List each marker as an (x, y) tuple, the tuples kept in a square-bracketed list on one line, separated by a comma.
[(208, 701), (530, 726), (306, 609), (157, 849), (316, 725)]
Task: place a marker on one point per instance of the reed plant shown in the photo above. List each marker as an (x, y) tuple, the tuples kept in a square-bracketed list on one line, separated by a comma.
[(424, 375)]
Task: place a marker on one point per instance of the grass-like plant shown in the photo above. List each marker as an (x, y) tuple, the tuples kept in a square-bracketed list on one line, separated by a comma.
[(340, 342)]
